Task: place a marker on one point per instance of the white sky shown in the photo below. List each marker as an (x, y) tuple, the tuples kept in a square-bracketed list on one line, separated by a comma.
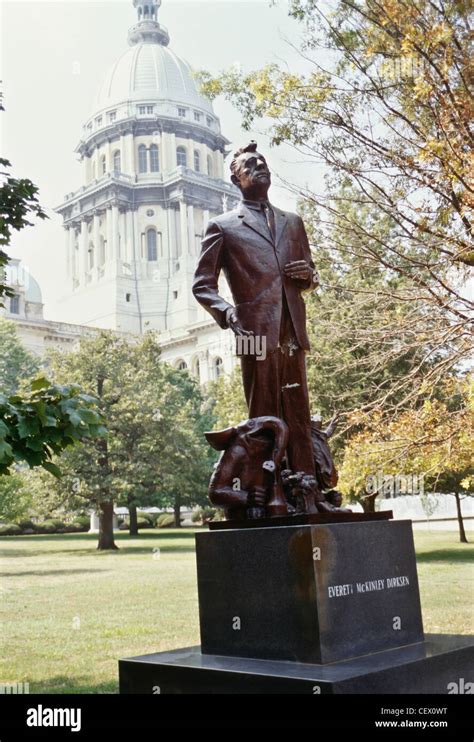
[(54, 56)]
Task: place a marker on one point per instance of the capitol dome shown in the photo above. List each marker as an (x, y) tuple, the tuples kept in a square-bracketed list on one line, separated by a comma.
[(150, 71), (149, 79)]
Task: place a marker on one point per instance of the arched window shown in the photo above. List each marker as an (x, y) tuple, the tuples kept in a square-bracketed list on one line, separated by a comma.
[(182, 365), (90, 255), (197, 161), (151, 245), (218, 367), (103, 165), (181, 157), (210, 170), (117, 161), (142, 165), (154, 158)]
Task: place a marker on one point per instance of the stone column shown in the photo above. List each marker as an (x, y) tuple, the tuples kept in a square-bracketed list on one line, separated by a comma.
[(191, 230), (83, 253), (183, 220), (115, 232), (96, 240), (71, 239)]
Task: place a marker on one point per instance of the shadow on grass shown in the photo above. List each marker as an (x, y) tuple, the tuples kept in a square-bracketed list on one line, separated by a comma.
[(63, 684), (43, 572), (127, 545), (447, 555)]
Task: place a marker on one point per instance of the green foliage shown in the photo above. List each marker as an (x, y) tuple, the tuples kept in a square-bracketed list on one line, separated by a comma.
[(155, 452), (15, 498), (44, 422), (166, 520), (10, 529), (16, 363)]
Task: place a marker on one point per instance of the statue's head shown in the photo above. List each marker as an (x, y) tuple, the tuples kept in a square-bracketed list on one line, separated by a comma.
[(250, 172)]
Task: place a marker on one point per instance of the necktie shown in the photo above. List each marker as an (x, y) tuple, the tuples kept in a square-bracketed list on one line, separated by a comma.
[(270, 219)]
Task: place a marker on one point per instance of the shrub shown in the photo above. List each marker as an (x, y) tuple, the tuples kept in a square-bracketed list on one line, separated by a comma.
[(166, 520), (48, 526), (10, 529), (82, 520), (26, 525), (143, 523), (205, 515)]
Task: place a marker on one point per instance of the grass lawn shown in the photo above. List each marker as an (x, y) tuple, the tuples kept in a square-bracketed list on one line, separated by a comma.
[(69, 612)]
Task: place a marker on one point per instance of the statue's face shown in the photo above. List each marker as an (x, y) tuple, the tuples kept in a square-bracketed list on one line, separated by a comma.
[(252, 173)]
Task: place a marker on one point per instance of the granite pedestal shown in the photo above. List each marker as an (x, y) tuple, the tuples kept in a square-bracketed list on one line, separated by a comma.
[(311, 593), (307, 608)]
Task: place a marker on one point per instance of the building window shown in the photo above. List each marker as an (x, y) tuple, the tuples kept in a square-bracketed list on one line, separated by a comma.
[(141, 110), (181, 157), (182, 365), (210, 169), (182, 113), (150, 109), (197, 161), (142, 165), (117, 162), (128, 298), (103, 165), (197, 116), (89, 126), (90, 256), (209, 121), (15, 305), (175, 294), (151, 245), (98, 121), (154, 159), (218, 367), (112, 115)]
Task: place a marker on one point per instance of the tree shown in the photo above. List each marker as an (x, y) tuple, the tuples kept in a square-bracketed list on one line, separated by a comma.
[(154, 452), (15, 498), (434, 440), (43, 423), (386, 106), (16, 363)]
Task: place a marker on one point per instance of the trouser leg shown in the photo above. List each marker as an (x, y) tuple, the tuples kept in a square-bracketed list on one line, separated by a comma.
[(296, 412)]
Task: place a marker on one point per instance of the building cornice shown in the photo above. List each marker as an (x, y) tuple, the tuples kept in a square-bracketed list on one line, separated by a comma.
[(138, 126)]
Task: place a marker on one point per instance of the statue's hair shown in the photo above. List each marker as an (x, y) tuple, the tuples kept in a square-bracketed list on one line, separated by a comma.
[(250, 147)]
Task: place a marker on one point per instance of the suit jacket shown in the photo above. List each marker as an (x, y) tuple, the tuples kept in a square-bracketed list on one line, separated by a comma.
[(240, 245)]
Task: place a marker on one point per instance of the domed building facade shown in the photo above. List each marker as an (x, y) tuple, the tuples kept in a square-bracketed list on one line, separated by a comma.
[(153, 174)]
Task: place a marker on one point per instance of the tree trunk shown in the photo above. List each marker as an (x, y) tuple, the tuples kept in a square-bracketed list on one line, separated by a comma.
[(106, 526), (133, 528), (462, 532), (368, 503), (177, 512)]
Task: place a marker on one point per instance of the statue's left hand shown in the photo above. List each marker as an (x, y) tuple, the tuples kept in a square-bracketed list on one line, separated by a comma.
[(298, 270)]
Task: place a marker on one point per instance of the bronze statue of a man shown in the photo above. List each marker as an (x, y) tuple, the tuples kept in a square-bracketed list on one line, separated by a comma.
[(265, 256)]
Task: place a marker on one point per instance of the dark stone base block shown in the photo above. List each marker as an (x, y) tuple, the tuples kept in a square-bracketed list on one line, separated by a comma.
[(438, 665), (308, 593), (303, 519)]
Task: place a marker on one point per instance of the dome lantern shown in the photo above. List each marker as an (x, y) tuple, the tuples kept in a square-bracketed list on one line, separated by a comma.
[(148, 30)]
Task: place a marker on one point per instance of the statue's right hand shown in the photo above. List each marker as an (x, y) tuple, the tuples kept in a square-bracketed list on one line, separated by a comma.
[(234, 323), (257, 497)]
